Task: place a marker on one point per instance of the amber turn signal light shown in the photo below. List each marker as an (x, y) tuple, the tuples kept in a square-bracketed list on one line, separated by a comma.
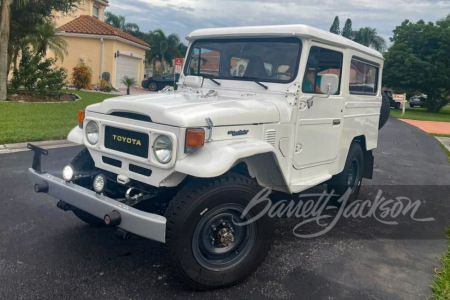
[(195, 138), (80, 118)]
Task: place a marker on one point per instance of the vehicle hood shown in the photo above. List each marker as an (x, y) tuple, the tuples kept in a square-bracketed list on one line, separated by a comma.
[(189, 110)]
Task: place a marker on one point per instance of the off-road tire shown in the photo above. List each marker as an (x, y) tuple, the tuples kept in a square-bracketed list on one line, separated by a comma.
[(190, 208), (339, 184), (384, 111)]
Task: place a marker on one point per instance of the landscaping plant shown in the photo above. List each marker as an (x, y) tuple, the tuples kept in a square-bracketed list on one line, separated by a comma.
[(129, 83), (82, 77), (37, 75)]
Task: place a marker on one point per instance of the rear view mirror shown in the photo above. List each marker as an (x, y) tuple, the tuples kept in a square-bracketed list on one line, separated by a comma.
[(193, 81), (329, 84)]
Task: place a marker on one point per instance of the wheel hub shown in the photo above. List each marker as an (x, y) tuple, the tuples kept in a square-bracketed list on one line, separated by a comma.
[(226, 237)]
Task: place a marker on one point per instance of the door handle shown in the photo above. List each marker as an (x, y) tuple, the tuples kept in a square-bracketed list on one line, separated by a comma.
[(310, 102), (336, 122)]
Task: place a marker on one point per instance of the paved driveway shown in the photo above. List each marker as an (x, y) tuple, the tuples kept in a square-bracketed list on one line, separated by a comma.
[(46, 253)]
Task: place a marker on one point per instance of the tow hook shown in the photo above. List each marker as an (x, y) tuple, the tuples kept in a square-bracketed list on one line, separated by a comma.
[(113, 218)]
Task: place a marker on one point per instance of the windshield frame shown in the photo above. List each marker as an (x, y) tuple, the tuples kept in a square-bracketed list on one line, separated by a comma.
[(249, 39)]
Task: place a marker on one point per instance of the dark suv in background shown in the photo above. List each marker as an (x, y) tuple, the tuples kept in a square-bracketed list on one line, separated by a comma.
[(159, 82), (417, 100)]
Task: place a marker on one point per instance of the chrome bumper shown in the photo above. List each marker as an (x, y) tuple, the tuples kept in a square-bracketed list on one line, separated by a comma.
[(144, 224)]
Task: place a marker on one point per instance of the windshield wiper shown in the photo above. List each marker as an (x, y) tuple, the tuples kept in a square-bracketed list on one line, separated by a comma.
[(254, 79), (210, 78)]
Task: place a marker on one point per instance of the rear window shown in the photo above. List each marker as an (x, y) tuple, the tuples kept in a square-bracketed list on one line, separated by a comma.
[(363, 77)]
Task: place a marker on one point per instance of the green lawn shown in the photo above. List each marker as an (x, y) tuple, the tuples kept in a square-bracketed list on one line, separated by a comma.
[(422, 114), (441, 284), (21, 122)]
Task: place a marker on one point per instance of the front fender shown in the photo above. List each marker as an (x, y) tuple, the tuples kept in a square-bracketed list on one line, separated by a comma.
[(216, 158), (76, 136)]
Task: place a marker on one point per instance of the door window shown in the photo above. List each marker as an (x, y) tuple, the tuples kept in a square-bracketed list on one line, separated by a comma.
[(321, 61)]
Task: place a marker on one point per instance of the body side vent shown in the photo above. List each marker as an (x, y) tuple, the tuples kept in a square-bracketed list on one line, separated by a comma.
[(270, 136)]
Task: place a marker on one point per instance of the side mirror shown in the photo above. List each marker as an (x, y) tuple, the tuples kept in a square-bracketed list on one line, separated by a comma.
[(329, 84), (193, 81)]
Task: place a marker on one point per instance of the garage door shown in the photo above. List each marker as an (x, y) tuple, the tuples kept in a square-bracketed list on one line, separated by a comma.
[(127, 66)]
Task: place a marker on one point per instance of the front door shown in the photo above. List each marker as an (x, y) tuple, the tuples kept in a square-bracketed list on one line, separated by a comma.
[(320, 118)]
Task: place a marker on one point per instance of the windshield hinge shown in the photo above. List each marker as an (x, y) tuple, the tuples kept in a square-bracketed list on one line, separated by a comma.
[(210, 127), (292, 94)]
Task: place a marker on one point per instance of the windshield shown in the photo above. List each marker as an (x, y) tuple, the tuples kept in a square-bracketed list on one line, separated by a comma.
[(268, 60)]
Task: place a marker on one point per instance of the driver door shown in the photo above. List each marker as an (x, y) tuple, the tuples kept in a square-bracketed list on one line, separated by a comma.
[(320, 118)]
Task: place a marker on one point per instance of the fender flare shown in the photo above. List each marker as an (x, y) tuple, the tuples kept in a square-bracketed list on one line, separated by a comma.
[(216, 158), (76, 135)]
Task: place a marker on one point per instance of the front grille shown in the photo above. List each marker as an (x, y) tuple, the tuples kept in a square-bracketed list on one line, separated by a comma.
[(112, 161), (127, 141), (140, 170)]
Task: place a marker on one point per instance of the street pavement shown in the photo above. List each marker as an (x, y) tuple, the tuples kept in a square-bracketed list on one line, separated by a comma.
[(46, 253)]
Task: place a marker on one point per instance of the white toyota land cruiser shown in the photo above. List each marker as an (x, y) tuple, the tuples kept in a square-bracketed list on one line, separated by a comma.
[(285, 107)]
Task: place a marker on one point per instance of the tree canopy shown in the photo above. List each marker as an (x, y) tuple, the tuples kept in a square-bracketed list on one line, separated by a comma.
[(366, 36), (419, 61), (164, 48), (335, 26)]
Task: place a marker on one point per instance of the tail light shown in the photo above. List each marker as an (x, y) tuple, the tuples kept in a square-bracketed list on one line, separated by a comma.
[(195, 138)]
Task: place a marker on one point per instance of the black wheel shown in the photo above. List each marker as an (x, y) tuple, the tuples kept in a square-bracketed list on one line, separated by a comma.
[(384, 111), (206, 245), (153, 86), (351, 176)]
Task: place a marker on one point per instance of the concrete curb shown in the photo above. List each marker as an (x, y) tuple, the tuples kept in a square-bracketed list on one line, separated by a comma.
[(19, 147), (444, 141)]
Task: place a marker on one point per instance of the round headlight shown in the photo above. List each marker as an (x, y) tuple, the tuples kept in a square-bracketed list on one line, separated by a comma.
[(68, 173), (92, 132), (162, 147)]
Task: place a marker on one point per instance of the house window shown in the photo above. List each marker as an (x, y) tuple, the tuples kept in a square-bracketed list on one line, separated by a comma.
[(96, 12)]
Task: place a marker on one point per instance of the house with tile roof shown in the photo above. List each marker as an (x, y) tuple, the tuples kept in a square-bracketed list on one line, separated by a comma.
[(99, 45)]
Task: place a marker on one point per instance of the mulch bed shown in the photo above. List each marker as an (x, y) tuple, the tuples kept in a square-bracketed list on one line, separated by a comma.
[(65, 97)]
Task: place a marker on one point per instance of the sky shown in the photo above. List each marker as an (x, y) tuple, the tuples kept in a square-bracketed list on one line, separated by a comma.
[(184, 16)]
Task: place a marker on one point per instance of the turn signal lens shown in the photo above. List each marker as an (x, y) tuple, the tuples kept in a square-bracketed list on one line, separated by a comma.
[(80, 118), (195, 138)]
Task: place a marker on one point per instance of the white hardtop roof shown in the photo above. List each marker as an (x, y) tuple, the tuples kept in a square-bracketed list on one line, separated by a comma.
[(282, 31)]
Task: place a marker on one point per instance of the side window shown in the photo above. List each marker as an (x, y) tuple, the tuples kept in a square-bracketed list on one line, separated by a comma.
[(321, 61), (204, 61), (363, 78)]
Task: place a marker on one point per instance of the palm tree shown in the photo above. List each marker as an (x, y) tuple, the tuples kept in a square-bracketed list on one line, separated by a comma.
[(115, 20), (367, 36), (129, 83), (46, 38), (4, 41)]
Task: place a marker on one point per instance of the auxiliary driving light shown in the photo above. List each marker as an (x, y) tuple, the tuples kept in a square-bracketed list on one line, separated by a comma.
[(99, 183), (68, 173)]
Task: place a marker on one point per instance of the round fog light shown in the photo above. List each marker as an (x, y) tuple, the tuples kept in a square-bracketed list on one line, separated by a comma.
[(68, 173), (99, 183)]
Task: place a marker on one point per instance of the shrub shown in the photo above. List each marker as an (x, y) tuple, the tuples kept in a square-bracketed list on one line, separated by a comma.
[(104, 86), (82, 77), (36, 75)]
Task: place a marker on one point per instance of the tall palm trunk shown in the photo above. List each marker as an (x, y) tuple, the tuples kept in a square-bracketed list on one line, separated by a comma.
[(4, 40)]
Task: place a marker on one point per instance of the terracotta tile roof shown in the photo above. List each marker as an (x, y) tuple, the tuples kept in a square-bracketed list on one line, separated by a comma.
[(89, 25)]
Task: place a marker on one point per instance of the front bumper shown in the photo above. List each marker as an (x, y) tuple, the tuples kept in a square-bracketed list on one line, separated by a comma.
[(138, 222)]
